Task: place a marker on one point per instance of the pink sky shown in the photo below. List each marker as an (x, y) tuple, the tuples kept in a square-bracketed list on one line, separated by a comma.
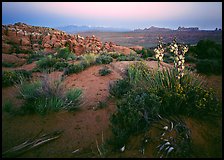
[(115, 14)]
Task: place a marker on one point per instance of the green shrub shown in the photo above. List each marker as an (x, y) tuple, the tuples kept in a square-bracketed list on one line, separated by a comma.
[(208, 49), (104, 71), (47, 62), (190, 59), (114, 55), (60, 65), (74, 68), (89, 58), (46, 96), (34, 57), (65, 53), (144, 94), (104, 59), (8, 107), (128, 58), (6, 64), (145, 53), (119, 88), (102, 104), (12, 77), (207, 66)]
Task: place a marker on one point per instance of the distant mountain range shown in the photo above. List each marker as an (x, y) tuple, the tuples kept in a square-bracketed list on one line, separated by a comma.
[(153, 29), (73, 29), (76, 29)]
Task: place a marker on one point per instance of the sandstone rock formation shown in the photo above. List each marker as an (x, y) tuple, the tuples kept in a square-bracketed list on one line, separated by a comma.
[(21, 37)]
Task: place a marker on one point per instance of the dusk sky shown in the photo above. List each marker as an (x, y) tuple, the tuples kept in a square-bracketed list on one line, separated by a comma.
[(131, 15)]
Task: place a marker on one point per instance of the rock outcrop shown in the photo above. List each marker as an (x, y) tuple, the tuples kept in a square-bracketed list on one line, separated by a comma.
[(21, 37)]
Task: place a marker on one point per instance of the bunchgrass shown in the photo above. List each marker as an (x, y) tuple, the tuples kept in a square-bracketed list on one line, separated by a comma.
[(47, 96)]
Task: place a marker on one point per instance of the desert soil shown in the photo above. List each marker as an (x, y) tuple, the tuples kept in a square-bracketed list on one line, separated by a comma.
[(82, 128)]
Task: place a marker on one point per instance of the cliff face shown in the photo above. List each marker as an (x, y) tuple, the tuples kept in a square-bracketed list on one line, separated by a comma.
[(23, 38)]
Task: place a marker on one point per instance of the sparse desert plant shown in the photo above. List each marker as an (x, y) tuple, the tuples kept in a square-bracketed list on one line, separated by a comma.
[(65, 53), (47, 62), (90, 58), (34, 57), (74, 68), (104, 59), (128, 58), (209, 66), (114, 55), (48, 95), (61, 65), (104, 71), (8, 107), (119, 88), (10, 78)]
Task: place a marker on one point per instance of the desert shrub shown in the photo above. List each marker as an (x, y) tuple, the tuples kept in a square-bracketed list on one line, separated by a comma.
[(89, 58), (190, 59), (128, 58), (114, 55), (102, 104), (47, 62), (65, 53), (12, 77), (119, 88), (144, 94), (74, 68), (6, 64), (145, 53), (46, 96), (60, 65), (34, 57), (208, 49), (209, 66), (8, 107), (104, 59), (104, 71)]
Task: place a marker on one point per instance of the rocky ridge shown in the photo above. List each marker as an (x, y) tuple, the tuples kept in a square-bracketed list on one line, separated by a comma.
[(23, 38)]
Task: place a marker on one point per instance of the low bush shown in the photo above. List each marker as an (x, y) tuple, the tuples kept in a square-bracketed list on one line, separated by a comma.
[(104, 59), (208, 49), (34, 57), (8, 107), (46, 96), (75, 68), (145, 53), (119, 88), (6, 64), (60, 65), (128, 58), (65, 53), (104, 71), (207, 66), (47, 62), (10, 78), (89, 58), (190, 59)]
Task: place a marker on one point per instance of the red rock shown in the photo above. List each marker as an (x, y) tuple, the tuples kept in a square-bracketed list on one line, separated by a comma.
[(136, 48), (21, 55), (6, 48), (7, 58), (46, 45), (25, 41)]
